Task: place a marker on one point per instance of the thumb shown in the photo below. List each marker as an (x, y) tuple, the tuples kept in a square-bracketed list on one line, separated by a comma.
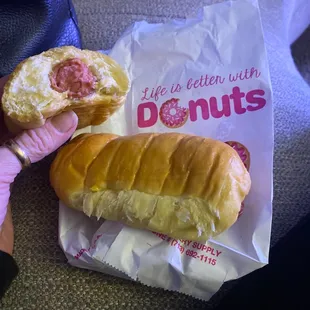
[(36, 143), (42, 141)]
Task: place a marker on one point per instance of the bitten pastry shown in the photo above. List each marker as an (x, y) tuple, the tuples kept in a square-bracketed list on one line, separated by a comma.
[(64, 78), (185, 186)]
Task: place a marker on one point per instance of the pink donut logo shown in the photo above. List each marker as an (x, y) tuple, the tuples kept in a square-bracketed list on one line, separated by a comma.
[(172, 115), (244, 154)]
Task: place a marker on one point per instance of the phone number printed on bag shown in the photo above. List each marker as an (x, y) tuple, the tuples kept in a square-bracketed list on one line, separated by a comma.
[(202, 257), (202, 252)]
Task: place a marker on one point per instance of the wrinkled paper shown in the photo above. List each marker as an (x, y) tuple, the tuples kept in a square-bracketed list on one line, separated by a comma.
[(216, 66)]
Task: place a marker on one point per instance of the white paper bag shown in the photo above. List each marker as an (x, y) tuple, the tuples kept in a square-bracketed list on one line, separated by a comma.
[(206, 76)]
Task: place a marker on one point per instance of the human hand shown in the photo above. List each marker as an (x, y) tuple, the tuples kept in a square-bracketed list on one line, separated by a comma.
[(36, 144)]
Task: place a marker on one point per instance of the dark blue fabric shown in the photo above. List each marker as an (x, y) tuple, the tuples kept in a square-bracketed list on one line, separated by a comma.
[(31, 26)]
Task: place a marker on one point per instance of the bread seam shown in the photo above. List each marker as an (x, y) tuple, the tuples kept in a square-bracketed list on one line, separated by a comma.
[(92, 162), (146, 146), (220, 193), (152, 138), (170, 158), (211, 174), (190, 163)]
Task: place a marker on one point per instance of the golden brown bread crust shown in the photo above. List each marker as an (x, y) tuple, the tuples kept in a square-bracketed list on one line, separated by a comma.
[(29, 99), (185, 186)]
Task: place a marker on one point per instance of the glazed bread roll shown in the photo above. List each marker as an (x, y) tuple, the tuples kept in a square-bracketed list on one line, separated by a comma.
[(184, 186), (64, 78)]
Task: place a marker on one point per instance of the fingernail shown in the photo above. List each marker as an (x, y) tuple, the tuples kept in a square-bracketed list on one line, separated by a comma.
[(64, 121)]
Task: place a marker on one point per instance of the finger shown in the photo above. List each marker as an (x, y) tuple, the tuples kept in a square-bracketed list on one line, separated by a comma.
[(40, 142), (36, 143)]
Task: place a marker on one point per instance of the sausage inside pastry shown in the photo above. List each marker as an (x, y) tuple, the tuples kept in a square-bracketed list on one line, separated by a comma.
[(64, 78)]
